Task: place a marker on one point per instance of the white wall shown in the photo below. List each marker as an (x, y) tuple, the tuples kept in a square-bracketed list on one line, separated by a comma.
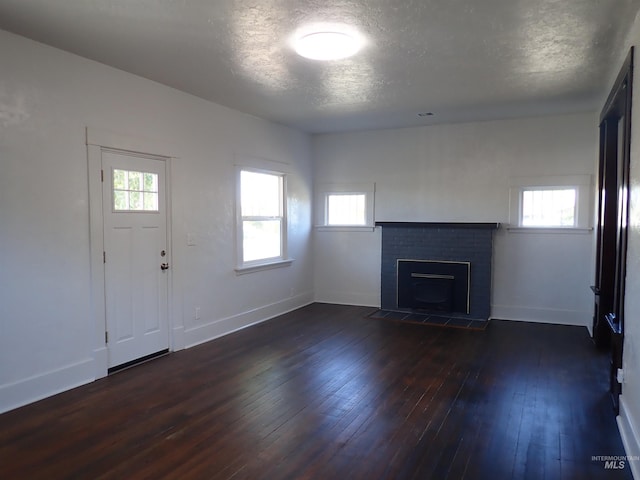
[(629, 419), (458, 173), (47, 99)]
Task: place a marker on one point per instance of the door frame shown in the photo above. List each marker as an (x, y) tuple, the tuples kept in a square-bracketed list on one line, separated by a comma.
[(613, 219), (96, 141)]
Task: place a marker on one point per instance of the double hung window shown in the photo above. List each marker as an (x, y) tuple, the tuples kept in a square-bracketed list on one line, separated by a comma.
[(261, 218)]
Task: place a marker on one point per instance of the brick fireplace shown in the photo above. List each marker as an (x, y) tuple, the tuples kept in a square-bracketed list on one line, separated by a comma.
[(437, 267)]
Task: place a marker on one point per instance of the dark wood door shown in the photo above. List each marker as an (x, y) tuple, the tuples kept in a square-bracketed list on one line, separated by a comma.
[(613, 199)]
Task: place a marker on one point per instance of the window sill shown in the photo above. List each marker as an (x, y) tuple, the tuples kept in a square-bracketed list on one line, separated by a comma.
[(263, 266), (345, 228), (546, 230)]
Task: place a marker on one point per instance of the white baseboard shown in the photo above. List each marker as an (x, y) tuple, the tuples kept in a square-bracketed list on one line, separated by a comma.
[(630, 437), (224, 326), (542, 315), (44, 385), (32, 389), (349, 298)]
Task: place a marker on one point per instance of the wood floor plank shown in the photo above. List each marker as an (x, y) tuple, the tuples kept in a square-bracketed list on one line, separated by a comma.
[(327, 392)]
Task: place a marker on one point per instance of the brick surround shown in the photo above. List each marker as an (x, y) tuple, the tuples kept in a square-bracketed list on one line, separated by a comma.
[(465, 242)]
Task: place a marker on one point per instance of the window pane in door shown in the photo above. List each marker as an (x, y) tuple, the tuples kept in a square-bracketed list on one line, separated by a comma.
[(119, 179), (120, 200), (150, 182), (135, 191), (135, 181), (150, 201)]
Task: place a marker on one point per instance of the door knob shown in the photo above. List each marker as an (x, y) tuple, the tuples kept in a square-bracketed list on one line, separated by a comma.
[(164, 266)]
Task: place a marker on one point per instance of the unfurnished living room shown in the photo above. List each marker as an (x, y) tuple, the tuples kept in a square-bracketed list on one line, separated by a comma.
[(319, 239)]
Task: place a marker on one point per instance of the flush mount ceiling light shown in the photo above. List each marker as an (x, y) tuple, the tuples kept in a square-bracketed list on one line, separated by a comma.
[(327, 45)]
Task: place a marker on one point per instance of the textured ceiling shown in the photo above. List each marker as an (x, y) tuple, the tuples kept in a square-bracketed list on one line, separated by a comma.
[(461, 59)]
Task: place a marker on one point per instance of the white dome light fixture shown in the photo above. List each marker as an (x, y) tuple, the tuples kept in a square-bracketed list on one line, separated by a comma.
[(327, 45)]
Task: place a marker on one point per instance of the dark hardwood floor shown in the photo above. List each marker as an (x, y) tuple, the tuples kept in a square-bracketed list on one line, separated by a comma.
[(326, 393)]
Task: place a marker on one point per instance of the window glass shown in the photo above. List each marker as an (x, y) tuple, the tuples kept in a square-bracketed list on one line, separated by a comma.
[(548, 207), (135, 191), (261, 239), (346, 209), (262, 219), (260, 194)]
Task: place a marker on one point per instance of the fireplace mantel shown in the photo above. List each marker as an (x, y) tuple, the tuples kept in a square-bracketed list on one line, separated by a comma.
[(478, 225)]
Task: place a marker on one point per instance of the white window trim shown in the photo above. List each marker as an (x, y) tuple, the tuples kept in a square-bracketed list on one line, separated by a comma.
[(271, 168), (583, 185), (323, 190), (263, 266)]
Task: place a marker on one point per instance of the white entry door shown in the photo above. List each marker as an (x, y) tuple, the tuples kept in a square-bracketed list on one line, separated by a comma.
[(135, 255)]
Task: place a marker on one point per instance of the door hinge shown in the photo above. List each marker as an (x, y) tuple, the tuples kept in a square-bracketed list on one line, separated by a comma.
[(104, 257), (106, 337), (102, 175)]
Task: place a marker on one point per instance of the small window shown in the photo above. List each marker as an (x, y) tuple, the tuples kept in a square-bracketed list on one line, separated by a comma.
[(135, 191), (346, 209), (262, 222), (345, 206), (548, 204), (549, 207)]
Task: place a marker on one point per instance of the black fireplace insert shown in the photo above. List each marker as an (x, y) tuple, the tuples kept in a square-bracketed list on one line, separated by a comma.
[(434, 286)]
